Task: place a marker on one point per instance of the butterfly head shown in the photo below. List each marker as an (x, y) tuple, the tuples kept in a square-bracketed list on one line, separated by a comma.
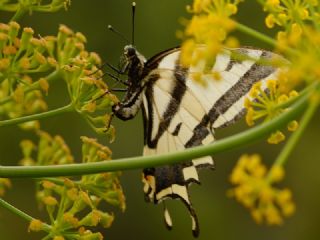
[(149, 184), (132, 62)]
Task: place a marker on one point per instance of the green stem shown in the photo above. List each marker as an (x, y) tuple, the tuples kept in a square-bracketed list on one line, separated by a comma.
[(9, 7), (21, 214), (36, 85), (262, 37), (19, 13), (293, 140), (291, 100), (237, 140), (256, 34), (38, 116)]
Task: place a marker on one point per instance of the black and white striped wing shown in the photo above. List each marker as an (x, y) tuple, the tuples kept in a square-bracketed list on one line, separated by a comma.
[(180, 113)]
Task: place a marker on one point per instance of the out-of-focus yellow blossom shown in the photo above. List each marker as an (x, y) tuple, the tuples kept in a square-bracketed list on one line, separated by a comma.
[(305, 61), (293, 126), (5, 183), (206, 33), (276, 137), (35, 225), (285, 13), (298, 39), (253, 188)]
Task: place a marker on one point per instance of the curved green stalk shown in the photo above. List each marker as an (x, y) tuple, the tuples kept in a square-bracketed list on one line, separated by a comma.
[(9, 7), (240, 139), (258, 35), (293, 140), (21, 214), (264, 38), (38, 116), (19, 13)]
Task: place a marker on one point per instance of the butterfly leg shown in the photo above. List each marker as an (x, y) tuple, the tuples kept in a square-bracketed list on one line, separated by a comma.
[(115, 78), (109, 65), (119, 89), (109, 122)]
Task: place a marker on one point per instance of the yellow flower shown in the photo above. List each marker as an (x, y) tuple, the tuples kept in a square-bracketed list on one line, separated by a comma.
[(273, 3), (35, 225), (285, 13), (276, 173), (293, 126), (276, 137), (5, 183), (58, 238), (50, 201), (254, 189), (270, 21)]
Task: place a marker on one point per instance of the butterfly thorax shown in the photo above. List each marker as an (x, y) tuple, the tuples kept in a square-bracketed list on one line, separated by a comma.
[(132, 63)]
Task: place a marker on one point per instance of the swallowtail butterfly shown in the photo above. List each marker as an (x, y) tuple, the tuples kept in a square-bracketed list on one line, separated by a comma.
[(179, 113)]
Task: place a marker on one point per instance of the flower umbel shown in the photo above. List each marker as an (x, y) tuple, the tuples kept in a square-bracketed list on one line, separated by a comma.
[(286, 13), (88, 92), (253, 188), (73, 206), (266, 103), (49, 151)]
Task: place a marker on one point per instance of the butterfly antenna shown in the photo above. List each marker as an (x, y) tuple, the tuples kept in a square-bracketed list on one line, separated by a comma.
[(118, 33), (133, 15)]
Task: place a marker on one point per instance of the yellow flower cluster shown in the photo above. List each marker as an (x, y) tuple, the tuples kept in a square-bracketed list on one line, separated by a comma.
[(32, 5), (267, 103), (206, 33), (22, 55), (298, 39), (284, 13), (255, 191), (74, 206), (305, 62), (86, 88), (49, 151)]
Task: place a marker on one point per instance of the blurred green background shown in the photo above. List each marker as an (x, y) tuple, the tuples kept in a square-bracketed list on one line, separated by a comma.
[(220, 217)]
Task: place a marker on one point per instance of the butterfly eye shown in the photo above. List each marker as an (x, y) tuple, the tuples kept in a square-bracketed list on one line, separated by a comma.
[(131, 52), (123, 64), (149, 171)]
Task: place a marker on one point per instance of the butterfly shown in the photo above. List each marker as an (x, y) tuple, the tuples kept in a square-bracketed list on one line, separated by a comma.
[(179, 113)]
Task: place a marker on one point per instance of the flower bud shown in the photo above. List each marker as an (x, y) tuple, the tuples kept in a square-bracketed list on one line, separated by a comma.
[(35, 225), (26, 36), (14, 30)]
